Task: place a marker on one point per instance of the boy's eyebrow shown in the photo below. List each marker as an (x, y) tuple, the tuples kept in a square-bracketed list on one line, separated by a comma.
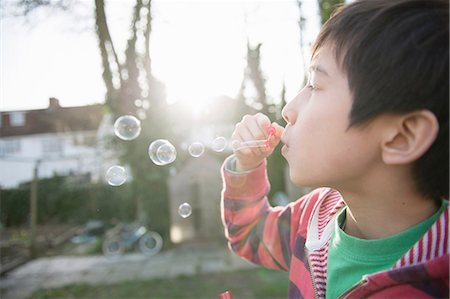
[(318, 68)]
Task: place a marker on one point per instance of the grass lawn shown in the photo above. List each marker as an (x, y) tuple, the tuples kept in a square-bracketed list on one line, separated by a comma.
[(246, 284)]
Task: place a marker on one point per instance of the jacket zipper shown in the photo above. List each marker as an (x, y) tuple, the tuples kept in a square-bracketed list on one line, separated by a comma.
[(311, 274), (362, 282)]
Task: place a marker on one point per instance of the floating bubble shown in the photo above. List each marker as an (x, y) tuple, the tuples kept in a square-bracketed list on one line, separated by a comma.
[(145, 104), (196, 149), (116, 175), (162, 152), (185, 210), (219, 144), (166, 153), (141, 114), (127, 127)]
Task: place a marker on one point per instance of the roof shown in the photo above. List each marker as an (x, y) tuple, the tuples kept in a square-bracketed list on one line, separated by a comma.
[(54, 119)]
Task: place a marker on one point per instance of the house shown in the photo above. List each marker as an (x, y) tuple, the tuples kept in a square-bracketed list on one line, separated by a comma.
[(59, 140)]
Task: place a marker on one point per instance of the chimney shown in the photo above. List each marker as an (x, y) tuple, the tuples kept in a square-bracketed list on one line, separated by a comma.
[(53, 104)]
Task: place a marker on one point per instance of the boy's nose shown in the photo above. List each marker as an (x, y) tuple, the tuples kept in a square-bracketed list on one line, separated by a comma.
[(285, 114), (292, 109), (289, 111)]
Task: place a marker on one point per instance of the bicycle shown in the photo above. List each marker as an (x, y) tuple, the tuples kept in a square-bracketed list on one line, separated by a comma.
[(124, 237)]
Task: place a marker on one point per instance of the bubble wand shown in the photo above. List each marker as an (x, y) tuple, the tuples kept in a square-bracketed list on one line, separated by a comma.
[(255, 143)]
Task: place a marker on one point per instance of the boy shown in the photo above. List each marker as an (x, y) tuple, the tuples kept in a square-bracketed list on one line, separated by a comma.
[(371, 129)]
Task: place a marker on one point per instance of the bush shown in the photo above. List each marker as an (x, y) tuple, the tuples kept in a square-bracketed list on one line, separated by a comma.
[(61, 202)]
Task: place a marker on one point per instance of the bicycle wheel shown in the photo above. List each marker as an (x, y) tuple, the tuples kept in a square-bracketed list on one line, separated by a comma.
[(113, 248), (150, 243)]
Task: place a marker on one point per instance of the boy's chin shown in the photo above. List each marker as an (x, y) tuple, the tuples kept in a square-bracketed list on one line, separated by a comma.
[(302, 182)]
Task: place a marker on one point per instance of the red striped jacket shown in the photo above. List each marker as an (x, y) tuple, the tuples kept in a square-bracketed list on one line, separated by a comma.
[(295, 238)]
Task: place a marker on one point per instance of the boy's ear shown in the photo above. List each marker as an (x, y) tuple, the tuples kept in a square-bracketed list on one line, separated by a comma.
[(408, 137)]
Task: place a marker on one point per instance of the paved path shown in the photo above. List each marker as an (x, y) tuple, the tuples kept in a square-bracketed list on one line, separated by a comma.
[(63, 270)]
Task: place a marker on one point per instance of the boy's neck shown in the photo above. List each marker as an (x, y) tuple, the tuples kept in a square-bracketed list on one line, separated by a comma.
[(383, 223), (376, 212)]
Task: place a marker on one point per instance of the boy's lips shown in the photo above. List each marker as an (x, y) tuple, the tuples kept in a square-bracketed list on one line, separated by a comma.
[(284, 138), (284, 150), (285, 147)]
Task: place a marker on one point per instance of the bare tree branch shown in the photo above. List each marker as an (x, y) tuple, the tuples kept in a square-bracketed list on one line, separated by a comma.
[(108, 53), (301, 26), (26, 7)]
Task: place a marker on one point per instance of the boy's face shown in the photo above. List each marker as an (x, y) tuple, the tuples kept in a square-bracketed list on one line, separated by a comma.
[(320, 148)]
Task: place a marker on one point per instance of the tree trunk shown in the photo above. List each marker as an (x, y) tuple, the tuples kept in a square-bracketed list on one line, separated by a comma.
[(108, 53), (301, 26)]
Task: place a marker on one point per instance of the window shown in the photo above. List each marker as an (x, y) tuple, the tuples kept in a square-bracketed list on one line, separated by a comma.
[(52, 146), (9, 147), (78, 139), (17, 119), (86, 139)]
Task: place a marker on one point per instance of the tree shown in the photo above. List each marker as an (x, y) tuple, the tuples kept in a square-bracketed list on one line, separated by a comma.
[(301, 26), (254, 78), (132, 82), (327, 7), (128, 83), (258, 102)]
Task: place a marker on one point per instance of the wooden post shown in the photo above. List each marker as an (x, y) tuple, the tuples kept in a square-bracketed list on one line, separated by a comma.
[(33, 209)]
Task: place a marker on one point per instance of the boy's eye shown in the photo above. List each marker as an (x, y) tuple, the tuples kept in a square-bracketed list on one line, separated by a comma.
[(311, 86)]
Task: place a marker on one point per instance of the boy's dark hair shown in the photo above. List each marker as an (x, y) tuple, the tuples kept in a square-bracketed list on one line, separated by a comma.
[(395, 54)]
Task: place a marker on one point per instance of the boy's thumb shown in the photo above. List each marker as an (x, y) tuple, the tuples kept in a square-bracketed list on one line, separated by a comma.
[(278, 129)]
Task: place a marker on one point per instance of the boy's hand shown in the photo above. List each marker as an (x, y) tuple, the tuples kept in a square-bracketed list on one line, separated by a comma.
[(254, 127)]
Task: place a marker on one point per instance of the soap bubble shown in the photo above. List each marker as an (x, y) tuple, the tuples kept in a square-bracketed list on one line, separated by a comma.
[(185, 210), (116, 175), (141, 114), (219, 144), (145, 104), (127, 127), (196, 149), (166, 153), (162, 152)]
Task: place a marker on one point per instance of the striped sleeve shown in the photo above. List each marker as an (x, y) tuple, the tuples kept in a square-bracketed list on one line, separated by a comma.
[(256, 231)]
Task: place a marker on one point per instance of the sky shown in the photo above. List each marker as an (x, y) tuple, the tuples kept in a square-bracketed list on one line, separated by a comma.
[(198, 50)]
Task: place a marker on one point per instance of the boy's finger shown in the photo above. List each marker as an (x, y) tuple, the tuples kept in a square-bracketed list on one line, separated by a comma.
[(278, 130), (276, 137), (257, 133), (255, 129), (263, 122), (244, 135)]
